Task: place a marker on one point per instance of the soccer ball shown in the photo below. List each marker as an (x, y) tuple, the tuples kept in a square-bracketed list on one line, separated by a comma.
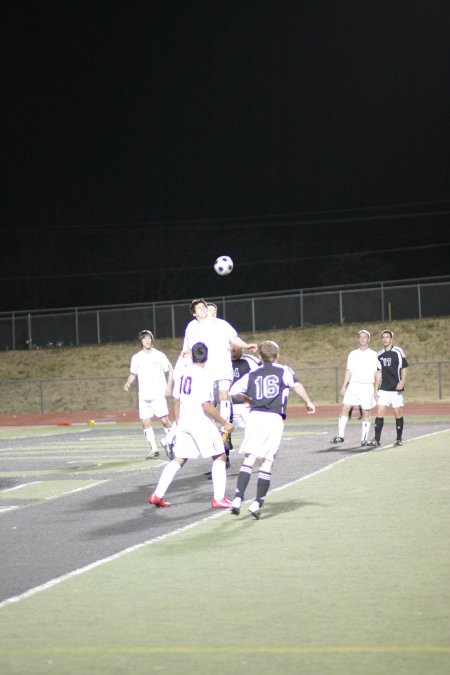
[(223, 265)]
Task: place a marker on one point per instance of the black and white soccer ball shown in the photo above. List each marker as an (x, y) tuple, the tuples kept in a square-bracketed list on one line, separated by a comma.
[(223, 265)]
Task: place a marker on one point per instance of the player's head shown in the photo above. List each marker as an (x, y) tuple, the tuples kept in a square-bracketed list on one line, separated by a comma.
[(387, 331), (363, 331), (269, 351), (196, 303), (199, 353), (236, 352), (212, 310), (145, 333), (387, 337)]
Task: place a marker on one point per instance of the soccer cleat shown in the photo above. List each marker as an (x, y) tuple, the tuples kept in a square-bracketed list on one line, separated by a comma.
[(169, 448), (255, 510), (374, 443), (337, 439), (364, 443), (158, 501), (236, 506), (153, 454), (398, 442), (223, 503)]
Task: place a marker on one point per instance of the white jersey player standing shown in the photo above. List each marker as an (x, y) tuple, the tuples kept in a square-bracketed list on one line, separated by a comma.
[(196, 433), (359, 386), (150, 367)]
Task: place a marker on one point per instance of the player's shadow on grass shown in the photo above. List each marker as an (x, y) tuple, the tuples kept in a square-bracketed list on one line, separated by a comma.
[(273, 509), (354, 450), (189, 495)]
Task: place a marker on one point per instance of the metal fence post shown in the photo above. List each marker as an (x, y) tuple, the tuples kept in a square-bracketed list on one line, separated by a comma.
[(301, 308), (30, 339), (419, 301), (98, 328), (41, 393), (336, 383), (172, 316), (77, 330)]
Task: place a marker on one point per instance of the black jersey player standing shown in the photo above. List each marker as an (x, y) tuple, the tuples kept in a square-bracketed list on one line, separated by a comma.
[(267, 390), (390, 384)]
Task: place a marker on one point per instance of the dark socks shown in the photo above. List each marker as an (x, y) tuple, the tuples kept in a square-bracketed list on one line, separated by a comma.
[(379, 421), (262, 486), (244, 476), (399, 428)]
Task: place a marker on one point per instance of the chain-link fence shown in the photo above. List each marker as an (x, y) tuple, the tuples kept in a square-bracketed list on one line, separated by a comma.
[(100, 325), (431, 382)]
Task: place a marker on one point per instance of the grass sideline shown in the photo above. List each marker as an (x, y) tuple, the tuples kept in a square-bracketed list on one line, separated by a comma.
[(346, 572)]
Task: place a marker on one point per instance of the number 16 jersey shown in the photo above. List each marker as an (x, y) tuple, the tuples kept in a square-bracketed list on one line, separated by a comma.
[(267, 387)]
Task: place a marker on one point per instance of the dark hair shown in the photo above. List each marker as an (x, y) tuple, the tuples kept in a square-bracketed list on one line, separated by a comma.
[(145, 332), (199, 352), (197, 301)]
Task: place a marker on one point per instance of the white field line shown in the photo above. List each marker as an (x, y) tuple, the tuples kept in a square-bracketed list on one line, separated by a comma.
[(22, 485), (81, 570), (50, 497)]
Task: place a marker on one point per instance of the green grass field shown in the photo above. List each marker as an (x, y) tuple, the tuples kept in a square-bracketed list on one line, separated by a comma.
[(347, 572)]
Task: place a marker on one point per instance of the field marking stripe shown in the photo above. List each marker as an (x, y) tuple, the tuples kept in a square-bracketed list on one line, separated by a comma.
[(81, 570), (22, 485), (287, 649)]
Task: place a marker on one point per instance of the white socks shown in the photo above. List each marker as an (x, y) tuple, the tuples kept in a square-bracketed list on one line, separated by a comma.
[(342, 423), (365, 431), (219, 478), (166, 478), (150, 436)]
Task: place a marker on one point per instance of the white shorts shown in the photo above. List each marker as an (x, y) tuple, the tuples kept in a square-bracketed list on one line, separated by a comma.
[(202, 441), (263, 433), (240, 415), (387, 398), (360, 394), (156, 408), (219, 370)]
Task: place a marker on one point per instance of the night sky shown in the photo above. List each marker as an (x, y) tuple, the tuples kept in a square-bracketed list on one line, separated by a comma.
[(309, 140)]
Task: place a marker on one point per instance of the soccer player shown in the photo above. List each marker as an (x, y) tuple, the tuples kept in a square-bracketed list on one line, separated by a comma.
[(390, 384), (196, 433), (359, 387), (267, 390), (218, 335), (150, 366)]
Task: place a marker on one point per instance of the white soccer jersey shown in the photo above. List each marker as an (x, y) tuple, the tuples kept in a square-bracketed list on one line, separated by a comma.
[(192, 387), (363, 364), (216, 335), (150, 368)]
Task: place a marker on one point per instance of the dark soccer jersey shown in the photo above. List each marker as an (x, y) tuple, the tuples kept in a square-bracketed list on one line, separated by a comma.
[(243, 365), (392, 362), (267, 387)]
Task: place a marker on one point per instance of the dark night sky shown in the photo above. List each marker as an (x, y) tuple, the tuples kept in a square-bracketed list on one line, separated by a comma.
[(142, 139)]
